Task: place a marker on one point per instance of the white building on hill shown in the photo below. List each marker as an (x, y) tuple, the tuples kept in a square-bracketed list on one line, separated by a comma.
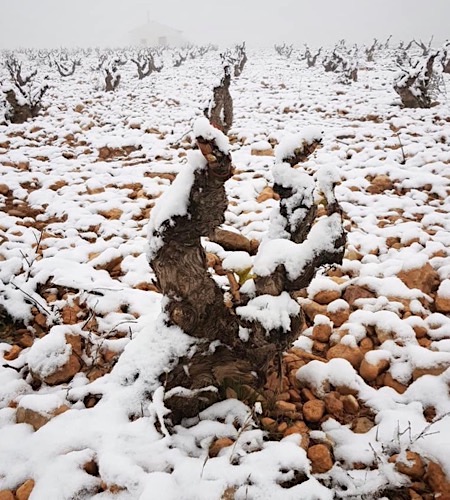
[(154, 34)]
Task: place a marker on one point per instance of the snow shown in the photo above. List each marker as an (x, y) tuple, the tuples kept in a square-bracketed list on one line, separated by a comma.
[(337, 305), (261, 146), (444, 289), (294, 257), (321, 319), (304, 343), (339, 371), (320, 284), (290, 143), (174, 202), (237, 261), (273, 313), (63, 179), (328, 176), (43, 403), (50, 353), (202, 128)]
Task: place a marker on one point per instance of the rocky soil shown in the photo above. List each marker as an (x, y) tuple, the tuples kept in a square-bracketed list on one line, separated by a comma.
[(363, 391)]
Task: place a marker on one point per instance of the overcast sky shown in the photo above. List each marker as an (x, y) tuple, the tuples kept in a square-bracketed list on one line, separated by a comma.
[(47, 23)]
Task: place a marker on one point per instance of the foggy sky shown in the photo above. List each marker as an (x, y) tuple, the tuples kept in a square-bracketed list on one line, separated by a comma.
[(53, 23)]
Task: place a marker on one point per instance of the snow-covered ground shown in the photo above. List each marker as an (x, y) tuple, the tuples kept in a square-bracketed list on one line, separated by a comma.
[(77, 185)]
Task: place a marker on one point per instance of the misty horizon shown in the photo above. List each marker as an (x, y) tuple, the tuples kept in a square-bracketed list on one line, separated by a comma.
[(51, 23)]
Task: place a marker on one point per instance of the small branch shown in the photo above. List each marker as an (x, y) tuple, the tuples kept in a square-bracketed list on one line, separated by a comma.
[(403, 162), (35, 302)]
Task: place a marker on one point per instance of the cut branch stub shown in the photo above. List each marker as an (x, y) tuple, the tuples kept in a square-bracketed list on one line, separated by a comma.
[(220, 110)]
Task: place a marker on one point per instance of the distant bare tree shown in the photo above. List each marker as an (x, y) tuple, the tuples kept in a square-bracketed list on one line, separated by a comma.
[(111, 76), (67, 67), (423, 47), (24, 94), (145, 64), (370, 51), (343, 61), (418, 85), (404, 48), (402, 58), (15, 71), (446, 58), (179, 58), (387, 42), (284, 50), (101, 61), (44, 56), (348, 71), (204, 49), (332, 61), (311, 60), (240, 59)]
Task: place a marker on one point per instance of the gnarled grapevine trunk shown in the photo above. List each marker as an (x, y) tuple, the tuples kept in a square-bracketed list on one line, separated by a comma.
[(234, 343), (195, 301)]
